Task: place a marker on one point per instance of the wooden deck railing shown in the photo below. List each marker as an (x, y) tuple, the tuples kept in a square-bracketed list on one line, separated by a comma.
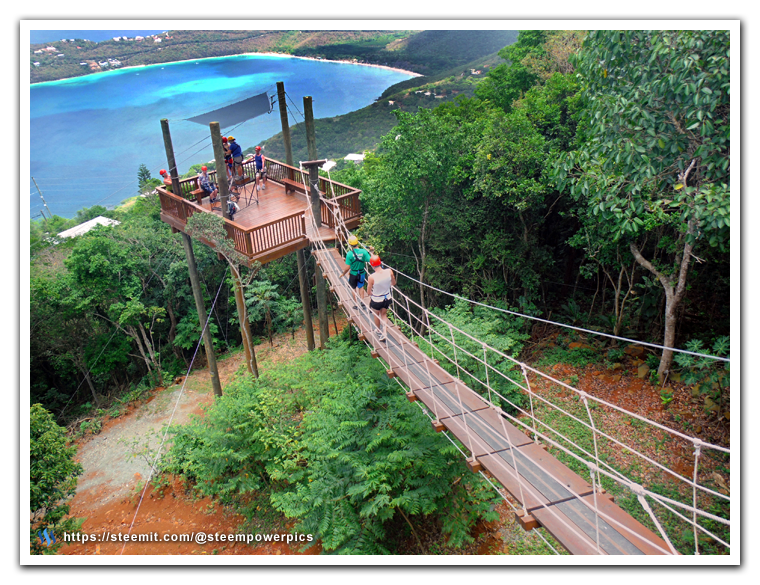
[(280, 232), (256, 241), (253, 241)]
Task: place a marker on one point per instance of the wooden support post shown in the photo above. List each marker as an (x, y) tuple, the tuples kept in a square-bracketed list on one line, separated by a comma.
[(390, 373), (245, 325), (311, 144), (221, 168), (285, 125), (324, 331), (526, 521), (411, 396), (187, 243), (374, 354), (170, 157), (305, 299), (473, 465), (438, 426)]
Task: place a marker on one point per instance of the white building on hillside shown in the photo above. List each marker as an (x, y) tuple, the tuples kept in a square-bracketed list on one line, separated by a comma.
[(85, 227)]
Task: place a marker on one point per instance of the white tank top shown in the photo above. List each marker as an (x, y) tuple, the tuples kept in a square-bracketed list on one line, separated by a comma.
[(382, 285)]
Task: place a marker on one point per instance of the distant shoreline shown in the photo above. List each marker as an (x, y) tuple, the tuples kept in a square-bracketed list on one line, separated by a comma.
[(267, 54)]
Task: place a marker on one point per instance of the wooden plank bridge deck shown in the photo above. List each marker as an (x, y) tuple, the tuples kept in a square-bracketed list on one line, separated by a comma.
[(555, 497)]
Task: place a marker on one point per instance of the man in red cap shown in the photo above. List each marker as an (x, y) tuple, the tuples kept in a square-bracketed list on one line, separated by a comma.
[(167, 180), (205, 183)]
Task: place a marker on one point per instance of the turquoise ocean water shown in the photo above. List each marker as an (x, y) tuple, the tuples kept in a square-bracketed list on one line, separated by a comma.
[(89, 135)]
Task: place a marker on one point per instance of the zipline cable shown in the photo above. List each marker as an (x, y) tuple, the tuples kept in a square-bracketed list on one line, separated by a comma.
[(176, 404)]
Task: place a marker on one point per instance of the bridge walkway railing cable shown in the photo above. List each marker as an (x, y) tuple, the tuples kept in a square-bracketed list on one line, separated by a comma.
[(576, 511)]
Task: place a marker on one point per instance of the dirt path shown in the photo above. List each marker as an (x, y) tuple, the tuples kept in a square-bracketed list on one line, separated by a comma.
[(110, 488)]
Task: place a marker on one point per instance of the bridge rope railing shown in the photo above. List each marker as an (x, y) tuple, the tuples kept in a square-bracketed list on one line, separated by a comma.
[(593, 462), (612, 473)]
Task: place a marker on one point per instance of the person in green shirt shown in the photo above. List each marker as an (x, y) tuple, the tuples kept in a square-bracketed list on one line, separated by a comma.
[(356, 261)]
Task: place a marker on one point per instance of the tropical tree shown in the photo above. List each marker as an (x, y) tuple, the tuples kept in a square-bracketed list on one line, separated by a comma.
[(653, 155), (507, 82), (143, 176), (52, 481)]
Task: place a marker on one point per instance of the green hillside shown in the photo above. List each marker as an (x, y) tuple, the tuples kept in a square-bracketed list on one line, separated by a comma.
[(362, 129)]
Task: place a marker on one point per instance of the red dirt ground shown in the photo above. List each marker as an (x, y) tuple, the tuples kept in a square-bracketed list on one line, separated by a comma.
[(108, 492)]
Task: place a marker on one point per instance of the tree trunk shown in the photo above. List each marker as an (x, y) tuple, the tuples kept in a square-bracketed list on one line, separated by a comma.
[(152, 354), (133, 334), (421, 267), (245, 326), (173, 321), (674, 291), (83, 368)]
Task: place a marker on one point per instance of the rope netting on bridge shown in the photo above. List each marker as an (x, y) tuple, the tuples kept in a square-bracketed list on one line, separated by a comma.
[(621, 452)]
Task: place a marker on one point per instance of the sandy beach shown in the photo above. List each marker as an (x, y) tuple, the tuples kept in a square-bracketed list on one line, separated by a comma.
[(268, 54)]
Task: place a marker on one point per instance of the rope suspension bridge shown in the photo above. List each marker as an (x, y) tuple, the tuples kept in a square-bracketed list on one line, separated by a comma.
[(510, 444), (561, 464)]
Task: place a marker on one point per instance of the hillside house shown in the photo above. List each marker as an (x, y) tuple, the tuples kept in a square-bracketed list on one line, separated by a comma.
[(85, 227)]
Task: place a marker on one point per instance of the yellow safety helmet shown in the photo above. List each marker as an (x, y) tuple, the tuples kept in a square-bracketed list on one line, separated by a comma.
[(353, 240)]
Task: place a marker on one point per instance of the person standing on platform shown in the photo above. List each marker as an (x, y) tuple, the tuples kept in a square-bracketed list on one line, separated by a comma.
[(237, 158), (227, 157), (261, 169), (356, 261), (379, 286), (167, 180)]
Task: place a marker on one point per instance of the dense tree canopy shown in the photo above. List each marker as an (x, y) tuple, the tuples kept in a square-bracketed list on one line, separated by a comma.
[(653, 158)]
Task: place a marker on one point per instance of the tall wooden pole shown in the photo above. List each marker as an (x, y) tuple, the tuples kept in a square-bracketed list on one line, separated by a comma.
[(305, 299), (324, 327), (221, 172), (187, 243), (311, 144), (316, 209), (245, 326), (285, 123), (170, 157), (192, 269)]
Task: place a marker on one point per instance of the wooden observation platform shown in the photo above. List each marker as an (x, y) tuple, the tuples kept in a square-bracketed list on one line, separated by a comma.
[(554, 496), (271, 223)]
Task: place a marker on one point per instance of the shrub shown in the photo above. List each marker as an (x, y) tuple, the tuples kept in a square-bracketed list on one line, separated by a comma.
[(52, 480)]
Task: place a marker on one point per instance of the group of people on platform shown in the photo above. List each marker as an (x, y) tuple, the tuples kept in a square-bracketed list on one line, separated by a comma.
[(233, 158), (378, 285)]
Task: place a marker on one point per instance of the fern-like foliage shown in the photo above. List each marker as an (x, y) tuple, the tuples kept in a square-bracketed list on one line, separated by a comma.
[(339, 448)]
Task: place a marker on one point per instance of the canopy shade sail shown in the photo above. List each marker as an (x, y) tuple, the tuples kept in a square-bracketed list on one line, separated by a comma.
[(237, 112)]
